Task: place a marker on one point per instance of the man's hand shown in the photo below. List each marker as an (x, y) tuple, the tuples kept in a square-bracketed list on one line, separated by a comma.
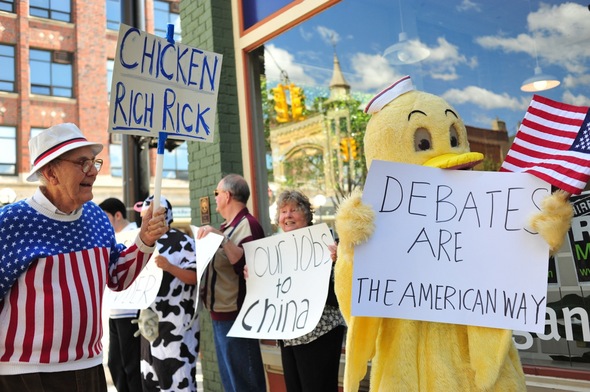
[(204, 230), (153, 225)]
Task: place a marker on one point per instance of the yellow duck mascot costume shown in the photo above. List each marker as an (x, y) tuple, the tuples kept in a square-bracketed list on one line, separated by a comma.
[(415, 127)]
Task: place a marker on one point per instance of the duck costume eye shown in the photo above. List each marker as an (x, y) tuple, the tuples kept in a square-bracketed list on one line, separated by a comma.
[(454, 136), (422, 140)]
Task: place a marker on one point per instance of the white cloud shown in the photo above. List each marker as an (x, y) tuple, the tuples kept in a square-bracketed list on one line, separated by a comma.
[(444, 60), (579, 100), (371, 72), (468, 5), (485, 99), (557, 33), (329, 36), (277, 58), (573, 81), (306, 35)]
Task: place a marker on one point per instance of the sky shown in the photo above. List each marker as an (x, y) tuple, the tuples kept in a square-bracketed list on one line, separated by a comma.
[(480, 52)]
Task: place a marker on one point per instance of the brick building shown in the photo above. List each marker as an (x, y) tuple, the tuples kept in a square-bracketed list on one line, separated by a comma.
[(56, 66)]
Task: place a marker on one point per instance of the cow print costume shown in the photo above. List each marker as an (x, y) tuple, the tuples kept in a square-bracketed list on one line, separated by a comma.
[(169, 363)]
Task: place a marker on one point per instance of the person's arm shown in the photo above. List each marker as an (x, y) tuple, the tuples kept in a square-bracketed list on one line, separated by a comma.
[(233, 252), (187, 276)]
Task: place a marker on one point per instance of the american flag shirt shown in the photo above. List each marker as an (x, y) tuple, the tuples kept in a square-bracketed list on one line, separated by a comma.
[(53, 272)]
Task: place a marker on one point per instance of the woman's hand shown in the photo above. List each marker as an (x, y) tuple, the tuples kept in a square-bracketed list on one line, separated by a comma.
[(333, 252)]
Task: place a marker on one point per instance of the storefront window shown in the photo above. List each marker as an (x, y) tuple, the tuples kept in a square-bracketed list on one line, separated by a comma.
[(480, 57)]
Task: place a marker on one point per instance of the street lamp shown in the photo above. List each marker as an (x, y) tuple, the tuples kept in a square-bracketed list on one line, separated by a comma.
[(319, 201)]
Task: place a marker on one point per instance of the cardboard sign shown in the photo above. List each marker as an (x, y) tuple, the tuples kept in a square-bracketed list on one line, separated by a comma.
[(453, 247), (287, 285), (145, 287), (206, 248), (160, 86)]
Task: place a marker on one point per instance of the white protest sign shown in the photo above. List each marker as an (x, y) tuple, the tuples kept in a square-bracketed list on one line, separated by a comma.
[(160, 86), (145, 287), (287, 284), (452, 246), (206, 248)]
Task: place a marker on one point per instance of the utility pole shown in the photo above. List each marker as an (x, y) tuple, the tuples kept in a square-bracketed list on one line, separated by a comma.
[(136, 173)]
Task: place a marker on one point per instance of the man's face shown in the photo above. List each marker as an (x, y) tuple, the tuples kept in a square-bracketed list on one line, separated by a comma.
[(222, 198), (70, 186)]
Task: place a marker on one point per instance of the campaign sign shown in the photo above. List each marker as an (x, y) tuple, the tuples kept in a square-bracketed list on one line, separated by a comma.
[(287, 284), (452, 246), (160, 86), (579, 236), (145, 287)]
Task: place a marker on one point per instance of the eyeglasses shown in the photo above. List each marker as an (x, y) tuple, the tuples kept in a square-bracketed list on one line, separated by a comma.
[(85, 164), (216, 192)]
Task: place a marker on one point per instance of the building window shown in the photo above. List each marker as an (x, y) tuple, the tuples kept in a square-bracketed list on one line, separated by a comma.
[(116, 154), (51, 9), (113, 14), (110, 65), (7, 65), (7, 5), (165, 13), (36, 131), (8, 156), (51, 73), (176, 163)]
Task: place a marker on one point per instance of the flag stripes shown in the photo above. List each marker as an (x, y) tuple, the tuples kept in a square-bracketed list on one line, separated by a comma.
[(544, 142)]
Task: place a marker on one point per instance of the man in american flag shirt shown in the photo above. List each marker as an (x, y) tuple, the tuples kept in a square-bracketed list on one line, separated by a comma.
[(57, 254)]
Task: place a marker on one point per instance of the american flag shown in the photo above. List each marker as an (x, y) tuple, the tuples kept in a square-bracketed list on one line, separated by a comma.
[(553, 143)]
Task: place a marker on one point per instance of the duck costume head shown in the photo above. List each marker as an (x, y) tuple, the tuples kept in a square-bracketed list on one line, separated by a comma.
[(416, 127)]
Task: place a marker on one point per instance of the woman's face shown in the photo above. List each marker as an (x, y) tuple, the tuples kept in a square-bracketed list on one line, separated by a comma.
[(291, 217)]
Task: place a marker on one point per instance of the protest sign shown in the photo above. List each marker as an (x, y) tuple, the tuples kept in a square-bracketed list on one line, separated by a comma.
[(452, 246), (145, 287), (287, 284), (206, 248), (579, 237), (160, 86)]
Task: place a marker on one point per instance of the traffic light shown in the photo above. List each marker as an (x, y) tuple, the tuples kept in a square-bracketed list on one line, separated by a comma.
[(297, 102), (353, 148), (344, 149), (281, 107)]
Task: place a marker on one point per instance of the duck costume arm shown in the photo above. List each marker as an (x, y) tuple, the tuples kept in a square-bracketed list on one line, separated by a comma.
[(554, 219), (354, 224)]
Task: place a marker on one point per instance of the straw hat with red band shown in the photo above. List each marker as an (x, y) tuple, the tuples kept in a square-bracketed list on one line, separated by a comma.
[(55, 141)]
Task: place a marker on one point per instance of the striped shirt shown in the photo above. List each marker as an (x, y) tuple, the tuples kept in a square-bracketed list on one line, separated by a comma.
[(50, 318)]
